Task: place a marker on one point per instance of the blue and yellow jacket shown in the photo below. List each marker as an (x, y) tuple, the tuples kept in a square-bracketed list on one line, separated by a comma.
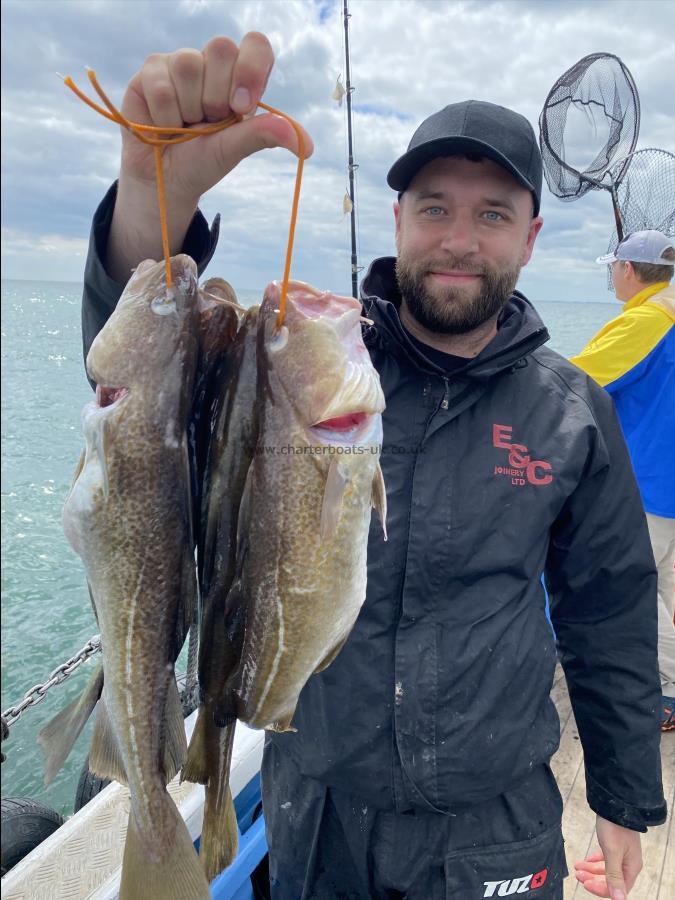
[(633, 358)]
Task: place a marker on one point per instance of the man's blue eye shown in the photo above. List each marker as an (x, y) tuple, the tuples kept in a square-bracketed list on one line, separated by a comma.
[(493, 216), (433, 210)]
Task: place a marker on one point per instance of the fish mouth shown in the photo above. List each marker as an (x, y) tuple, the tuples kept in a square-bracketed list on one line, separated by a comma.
[(109, 396), (350, 428)]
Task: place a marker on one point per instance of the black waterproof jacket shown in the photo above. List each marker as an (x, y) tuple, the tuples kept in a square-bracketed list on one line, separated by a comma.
[(509, 469)]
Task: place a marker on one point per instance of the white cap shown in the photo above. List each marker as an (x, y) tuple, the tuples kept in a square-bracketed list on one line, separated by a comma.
[(642, 247)]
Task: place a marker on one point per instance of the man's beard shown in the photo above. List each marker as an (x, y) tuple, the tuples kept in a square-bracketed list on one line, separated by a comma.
[(454, 310)]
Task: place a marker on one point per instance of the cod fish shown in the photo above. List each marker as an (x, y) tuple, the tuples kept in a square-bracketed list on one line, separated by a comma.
[(128, 516), (306, 508), (232, 441)]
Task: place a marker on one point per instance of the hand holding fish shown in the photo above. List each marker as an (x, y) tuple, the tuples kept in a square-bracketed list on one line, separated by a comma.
[(188, 88)]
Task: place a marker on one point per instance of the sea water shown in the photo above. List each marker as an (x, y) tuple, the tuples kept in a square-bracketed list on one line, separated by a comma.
[(46, 612)]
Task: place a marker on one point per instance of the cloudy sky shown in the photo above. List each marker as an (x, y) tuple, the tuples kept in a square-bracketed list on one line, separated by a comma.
[(408, 57)]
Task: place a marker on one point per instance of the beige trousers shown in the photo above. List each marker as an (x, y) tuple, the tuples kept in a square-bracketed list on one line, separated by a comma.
[(662, 534)]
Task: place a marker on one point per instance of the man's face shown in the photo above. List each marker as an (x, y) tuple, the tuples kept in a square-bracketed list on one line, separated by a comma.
[(463, 231)]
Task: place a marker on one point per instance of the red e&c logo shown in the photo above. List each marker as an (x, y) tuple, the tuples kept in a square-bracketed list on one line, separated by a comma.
[(521, 467)]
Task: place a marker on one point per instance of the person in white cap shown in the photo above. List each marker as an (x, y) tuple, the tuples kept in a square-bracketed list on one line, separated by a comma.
[(633, 358)]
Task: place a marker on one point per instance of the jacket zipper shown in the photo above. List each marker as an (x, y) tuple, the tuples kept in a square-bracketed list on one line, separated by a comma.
[(445, 402)]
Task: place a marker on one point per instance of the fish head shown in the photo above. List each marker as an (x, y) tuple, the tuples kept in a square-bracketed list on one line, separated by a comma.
[(149, 332), (143, 362), (219, 315), (319, 360)]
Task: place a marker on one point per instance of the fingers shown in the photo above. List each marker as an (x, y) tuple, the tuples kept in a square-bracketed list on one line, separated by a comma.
[(590, 873), (220, 55), (250, 73), (186, 69), (189, 86), (159, 92), (590, 868), (595, 886)]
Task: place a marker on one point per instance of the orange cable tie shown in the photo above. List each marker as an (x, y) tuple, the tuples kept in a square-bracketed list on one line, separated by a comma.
[(168, 136)]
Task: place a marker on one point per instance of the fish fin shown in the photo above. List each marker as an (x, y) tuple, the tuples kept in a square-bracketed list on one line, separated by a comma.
[(196, 769), (77, 472), (105, 759), (189, 512), (178, 875), (220, 835), (283, 724), (188, 611), (175, 746), (332, 500), (59, 734), (330, 656), (243, 520), (379, 498)]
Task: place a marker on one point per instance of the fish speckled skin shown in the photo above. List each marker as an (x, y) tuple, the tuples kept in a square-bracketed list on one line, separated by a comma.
[(128, 516)]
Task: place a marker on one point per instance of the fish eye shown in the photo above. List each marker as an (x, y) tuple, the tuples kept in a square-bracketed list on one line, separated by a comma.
[(279, 339), (163, 305)]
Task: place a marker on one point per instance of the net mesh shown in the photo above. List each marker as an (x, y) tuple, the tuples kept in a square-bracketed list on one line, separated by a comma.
[(591, 115), (646, 195)]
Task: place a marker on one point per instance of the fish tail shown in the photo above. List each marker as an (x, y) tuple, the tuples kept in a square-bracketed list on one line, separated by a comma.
[(220, 835), (178, 875)]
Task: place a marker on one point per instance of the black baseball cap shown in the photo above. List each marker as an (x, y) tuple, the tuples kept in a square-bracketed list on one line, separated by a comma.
[(474, 126)]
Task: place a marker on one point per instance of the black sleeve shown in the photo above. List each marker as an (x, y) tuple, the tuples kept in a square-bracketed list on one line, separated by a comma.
[(101, 293), (601, 579)]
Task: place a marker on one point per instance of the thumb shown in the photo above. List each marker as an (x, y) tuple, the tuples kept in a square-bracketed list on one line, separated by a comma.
[(614, 874), (257, 133)]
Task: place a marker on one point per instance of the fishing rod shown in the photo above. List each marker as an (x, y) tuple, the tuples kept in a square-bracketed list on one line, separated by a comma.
[(351, 164)]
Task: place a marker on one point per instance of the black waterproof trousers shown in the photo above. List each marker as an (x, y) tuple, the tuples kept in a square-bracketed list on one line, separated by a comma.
[(328, 845)]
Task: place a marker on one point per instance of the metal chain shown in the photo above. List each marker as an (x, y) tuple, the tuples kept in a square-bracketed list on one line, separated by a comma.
[(38, 692)]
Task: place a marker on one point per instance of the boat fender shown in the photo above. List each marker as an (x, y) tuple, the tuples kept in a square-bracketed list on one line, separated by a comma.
[(5, 735), (88, 786), (25, 824)]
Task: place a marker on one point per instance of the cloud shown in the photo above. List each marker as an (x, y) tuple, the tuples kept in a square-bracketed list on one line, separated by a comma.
[(59, 157)]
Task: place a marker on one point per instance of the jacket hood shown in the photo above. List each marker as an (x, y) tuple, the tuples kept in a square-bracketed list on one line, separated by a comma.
[(519, 329)]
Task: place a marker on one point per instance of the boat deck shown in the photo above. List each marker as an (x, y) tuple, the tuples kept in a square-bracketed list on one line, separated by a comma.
[(657, 879)]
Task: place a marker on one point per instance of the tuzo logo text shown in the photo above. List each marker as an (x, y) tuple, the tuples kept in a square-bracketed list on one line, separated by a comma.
[(509, 886)]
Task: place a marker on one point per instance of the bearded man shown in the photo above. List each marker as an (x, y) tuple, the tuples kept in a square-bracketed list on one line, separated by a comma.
[(419, 763)]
